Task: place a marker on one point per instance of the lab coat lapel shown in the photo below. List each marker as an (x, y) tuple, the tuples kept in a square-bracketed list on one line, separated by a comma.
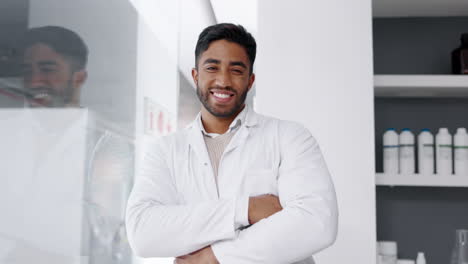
[(251, 119), (198, 146)]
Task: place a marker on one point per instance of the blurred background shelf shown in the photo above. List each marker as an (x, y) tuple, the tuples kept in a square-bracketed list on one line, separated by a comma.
[(419, 8), (418, 86), (382, 179)]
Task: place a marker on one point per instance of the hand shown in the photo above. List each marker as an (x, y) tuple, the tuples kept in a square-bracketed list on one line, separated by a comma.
[(263, 206), (202, 256)]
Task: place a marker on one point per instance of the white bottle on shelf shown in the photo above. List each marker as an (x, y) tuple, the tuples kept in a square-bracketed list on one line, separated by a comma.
[(388, 251), (443, 152), (390, 151), (425, 152), (420, 259), (407, 159), (460, 145)]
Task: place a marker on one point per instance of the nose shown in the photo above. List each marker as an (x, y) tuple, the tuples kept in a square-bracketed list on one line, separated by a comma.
[(34, 79), (223, 79)]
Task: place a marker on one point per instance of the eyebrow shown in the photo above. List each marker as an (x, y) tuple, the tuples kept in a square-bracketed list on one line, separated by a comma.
[(215, 61), (238, 63), (233, 63)]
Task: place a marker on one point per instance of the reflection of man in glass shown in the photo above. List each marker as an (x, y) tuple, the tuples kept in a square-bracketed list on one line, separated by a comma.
[(54, 62)]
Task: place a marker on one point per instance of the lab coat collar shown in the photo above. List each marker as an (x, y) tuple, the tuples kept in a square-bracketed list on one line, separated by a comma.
[(197, 142), (251, 119)]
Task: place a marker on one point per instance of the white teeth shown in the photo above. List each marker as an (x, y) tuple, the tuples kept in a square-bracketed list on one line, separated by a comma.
[(40, 96), (220, 95)]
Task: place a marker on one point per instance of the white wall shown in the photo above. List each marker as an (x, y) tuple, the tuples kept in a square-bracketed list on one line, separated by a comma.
[(157, 69), (157, 77), (110, 31), (195, 15), (315, 67)]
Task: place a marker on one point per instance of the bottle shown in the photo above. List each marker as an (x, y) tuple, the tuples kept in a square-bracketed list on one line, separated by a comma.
[(407, 159), (388, 251), (460, 249), (460, 146), (426, 152), (420, 259), (460, 56), (390, 151), (443, 152)]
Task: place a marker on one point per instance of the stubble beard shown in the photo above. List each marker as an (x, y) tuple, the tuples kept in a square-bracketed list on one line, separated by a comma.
[(239, 103)]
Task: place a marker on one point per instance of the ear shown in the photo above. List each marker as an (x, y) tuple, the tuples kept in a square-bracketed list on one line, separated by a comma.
[(79, 77), (251, 81), (195, 76)]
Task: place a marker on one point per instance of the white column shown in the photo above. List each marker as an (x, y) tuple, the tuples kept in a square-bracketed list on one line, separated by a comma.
[(315, 67)]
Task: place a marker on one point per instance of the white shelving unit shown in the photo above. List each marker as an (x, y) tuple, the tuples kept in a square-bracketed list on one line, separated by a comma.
[(437, 86), (419, 8), (383, 179)]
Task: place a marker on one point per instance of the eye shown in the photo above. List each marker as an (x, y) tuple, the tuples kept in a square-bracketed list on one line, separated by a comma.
[(211, 68), (48, 69), (238, 71)]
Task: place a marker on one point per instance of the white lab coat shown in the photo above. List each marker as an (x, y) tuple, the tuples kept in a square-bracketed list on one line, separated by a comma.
[(174, 208)]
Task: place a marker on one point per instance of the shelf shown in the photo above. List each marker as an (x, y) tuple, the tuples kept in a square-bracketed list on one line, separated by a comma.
[(419, 8), (382, 179), (421, 86)]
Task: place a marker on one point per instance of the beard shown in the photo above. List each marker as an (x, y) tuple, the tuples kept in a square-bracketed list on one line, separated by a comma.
[(211, 108)]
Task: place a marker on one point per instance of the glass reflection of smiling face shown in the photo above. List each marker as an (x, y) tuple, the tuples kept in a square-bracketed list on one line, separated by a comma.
[(49, 78)]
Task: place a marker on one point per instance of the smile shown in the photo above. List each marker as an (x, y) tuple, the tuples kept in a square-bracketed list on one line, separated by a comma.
[(222, 95), (41, 95)]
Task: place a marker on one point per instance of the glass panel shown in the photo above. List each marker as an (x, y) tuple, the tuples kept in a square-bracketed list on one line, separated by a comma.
[(80, 82)]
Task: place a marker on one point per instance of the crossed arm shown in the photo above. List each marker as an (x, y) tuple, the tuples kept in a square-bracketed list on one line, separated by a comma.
[(304, 222), (260, 207)]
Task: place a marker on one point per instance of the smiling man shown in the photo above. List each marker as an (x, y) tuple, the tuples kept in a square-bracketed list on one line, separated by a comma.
[(53, 67), (235, 186)]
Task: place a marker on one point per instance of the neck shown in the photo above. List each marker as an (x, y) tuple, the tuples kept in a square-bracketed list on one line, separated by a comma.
[(214, 124)]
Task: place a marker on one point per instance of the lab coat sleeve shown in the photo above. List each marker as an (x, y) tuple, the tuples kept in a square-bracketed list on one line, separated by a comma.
[(308, 221), (159, 226)]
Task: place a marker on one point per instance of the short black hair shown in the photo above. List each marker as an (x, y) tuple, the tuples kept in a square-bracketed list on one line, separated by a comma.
[(229, 32), (63, 41)]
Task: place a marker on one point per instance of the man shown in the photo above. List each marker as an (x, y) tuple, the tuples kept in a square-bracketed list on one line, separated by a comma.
[(53, 68), (236, 186)]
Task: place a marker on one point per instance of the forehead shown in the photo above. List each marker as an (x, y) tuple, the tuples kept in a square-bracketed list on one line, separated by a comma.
[(42, 52), (225, 51)]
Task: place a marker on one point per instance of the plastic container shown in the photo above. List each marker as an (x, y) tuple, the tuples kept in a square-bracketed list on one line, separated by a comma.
[(443, 152), (388, 251), (460, 149), (407, 158), (390, 151), (425, 152), (460, 56)]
